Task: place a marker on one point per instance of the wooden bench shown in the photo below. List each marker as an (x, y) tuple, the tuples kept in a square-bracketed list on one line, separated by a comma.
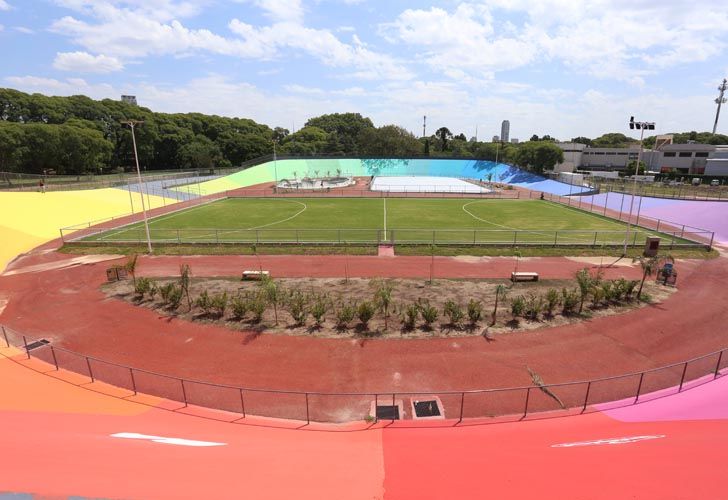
[(255, 275), (521, 276)]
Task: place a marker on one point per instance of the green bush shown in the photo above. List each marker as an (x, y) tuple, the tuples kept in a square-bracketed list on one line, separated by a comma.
[(629, 288), (219, 303), (142, 286), (297, 304), (552, 299), (518, 305), (240, 305), (454, 312), (257, 305), (365, 312), (569, 302), (410, 312), (204, 302), (428, 312), (175, 297), (345, 313), (319, 308), (597, 293), (475, 311), (532, 306)]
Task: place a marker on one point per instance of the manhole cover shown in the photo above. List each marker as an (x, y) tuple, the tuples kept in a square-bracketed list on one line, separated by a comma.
[(388, 412), (428, 408), (37, 344)]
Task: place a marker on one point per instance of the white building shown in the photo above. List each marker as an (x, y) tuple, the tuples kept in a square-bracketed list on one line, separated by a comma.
[(129, 99), (505, 130)]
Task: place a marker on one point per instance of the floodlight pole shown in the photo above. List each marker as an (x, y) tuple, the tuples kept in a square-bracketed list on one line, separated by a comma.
[(275, 162), (720, 100), (132, 124), (642, 126)]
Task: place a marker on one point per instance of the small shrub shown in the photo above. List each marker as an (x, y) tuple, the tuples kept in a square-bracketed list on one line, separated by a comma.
[(552, 299), (204, 302), (319, 308), (646, 298), (597, 293), (570, 301), (619, 289), (454, 312), (629, 288), (142, 286), (365, 312), (219, 303), (532, 306), (518, 305), (297, 304), (175, 297), (257, 305), (410, 312), (165, 291), (383, 299), (239, 306), (344, 315), (428, 312), (475, 311)]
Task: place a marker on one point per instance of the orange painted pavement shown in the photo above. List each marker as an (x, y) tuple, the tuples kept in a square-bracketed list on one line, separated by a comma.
[(53, 444)]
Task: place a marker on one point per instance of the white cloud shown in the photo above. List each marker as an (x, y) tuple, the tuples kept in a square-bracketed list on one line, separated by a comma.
[(4, 5), (131, 34), (619, 39), (24, 30), (83, 62)]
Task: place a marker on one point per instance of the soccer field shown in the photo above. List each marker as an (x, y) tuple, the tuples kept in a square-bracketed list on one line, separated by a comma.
[(376, 220)]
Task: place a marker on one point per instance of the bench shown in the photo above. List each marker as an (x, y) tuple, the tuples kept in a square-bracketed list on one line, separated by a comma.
[(255, 275), (521, 276)]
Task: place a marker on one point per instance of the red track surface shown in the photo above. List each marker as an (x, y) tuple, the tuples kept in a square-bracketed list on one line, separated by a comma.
[(690, 323)]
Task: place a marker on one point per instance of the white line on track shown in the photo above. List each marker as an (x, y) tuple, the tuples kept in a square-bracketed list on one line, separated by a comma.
[(166, 440)]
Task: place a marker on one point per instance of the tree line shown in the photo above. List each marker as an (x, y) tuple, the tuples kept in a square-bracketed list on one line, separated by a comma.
[(78, 135)]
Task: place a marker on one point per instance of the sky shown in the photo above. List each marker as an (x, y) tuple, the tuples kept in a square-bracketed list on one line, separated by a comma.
[(565, 68)]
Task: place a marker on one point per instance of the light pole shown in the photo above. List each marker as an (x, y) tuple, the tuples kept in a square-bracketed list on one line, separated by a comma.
[(275, 163), (641, 126), (720, 100), (132, 124)]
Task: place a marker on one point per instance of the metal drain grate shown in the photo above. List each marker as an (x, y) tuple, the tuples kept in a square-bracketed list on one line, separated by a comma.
[(388, 412), (428, 408), (37, 344)]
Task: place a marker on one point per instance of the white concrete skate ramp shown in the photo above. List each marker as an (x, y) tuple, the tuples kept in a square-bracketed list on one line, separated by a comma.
[(425, 184)]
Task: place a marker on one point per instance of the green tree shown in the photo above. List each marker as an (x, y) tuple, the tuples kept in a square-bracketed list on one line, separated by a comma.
[(444, 134), (389, 140)]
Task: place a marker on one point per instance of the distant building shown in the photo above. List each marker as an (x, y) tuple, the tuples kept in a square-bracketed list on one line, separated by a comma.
[(662, 140), (496, 138), (717, 164), (505, 130), (129, 99), (514, 141)]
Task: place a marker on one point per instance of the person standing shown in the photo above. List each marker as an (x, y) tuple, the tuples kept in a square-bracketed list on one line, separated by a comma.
[(42, 186)]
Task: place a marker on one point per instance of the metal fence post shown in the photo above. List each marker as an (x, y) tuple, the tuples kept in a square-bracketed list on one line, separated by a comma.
[(308, 418), (525, 407), (184, 392), (393, 406), (25, 343), (242, 402), (639, 387), (376, 403), (133, 382), (55, 361), (717, 366), (462, 404), (682, 379), (5, 335), (586, 398), (90, 372), (556, 237)]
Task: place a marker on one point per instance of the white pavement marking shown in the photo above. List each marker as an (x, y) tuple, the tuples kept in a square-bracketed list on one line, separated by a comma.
[(166, 440), (619, 440)]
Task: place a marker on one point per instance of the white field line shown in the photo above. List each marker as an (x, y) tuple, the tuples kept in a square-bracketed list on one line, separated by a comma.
[(287, 219), (507, 227), (153, 220), (385, 218)]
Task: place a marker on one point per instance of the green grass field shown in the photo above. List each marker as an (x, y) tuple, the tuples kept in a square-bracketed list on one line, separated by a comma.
[(374, 220)]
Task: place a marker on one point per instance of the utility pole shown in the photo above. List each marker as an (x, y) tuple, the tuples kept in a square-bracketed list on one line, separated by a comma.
[(132, 124), (720, 100), (424, 126)]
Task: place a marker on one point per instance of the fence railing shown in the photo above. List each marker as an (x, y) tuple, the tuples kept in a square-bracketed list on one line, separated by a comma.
[(337, 407), (660, 190)]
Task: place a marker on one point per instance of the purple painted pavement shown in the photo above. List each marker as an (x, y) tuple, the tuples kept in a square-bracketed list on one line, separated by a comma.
[(701, 399), (710, 215)]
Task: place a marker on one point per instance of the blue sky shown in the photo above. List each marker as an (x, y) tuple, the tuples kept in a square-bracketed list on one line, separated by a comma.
[(560, 67)]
